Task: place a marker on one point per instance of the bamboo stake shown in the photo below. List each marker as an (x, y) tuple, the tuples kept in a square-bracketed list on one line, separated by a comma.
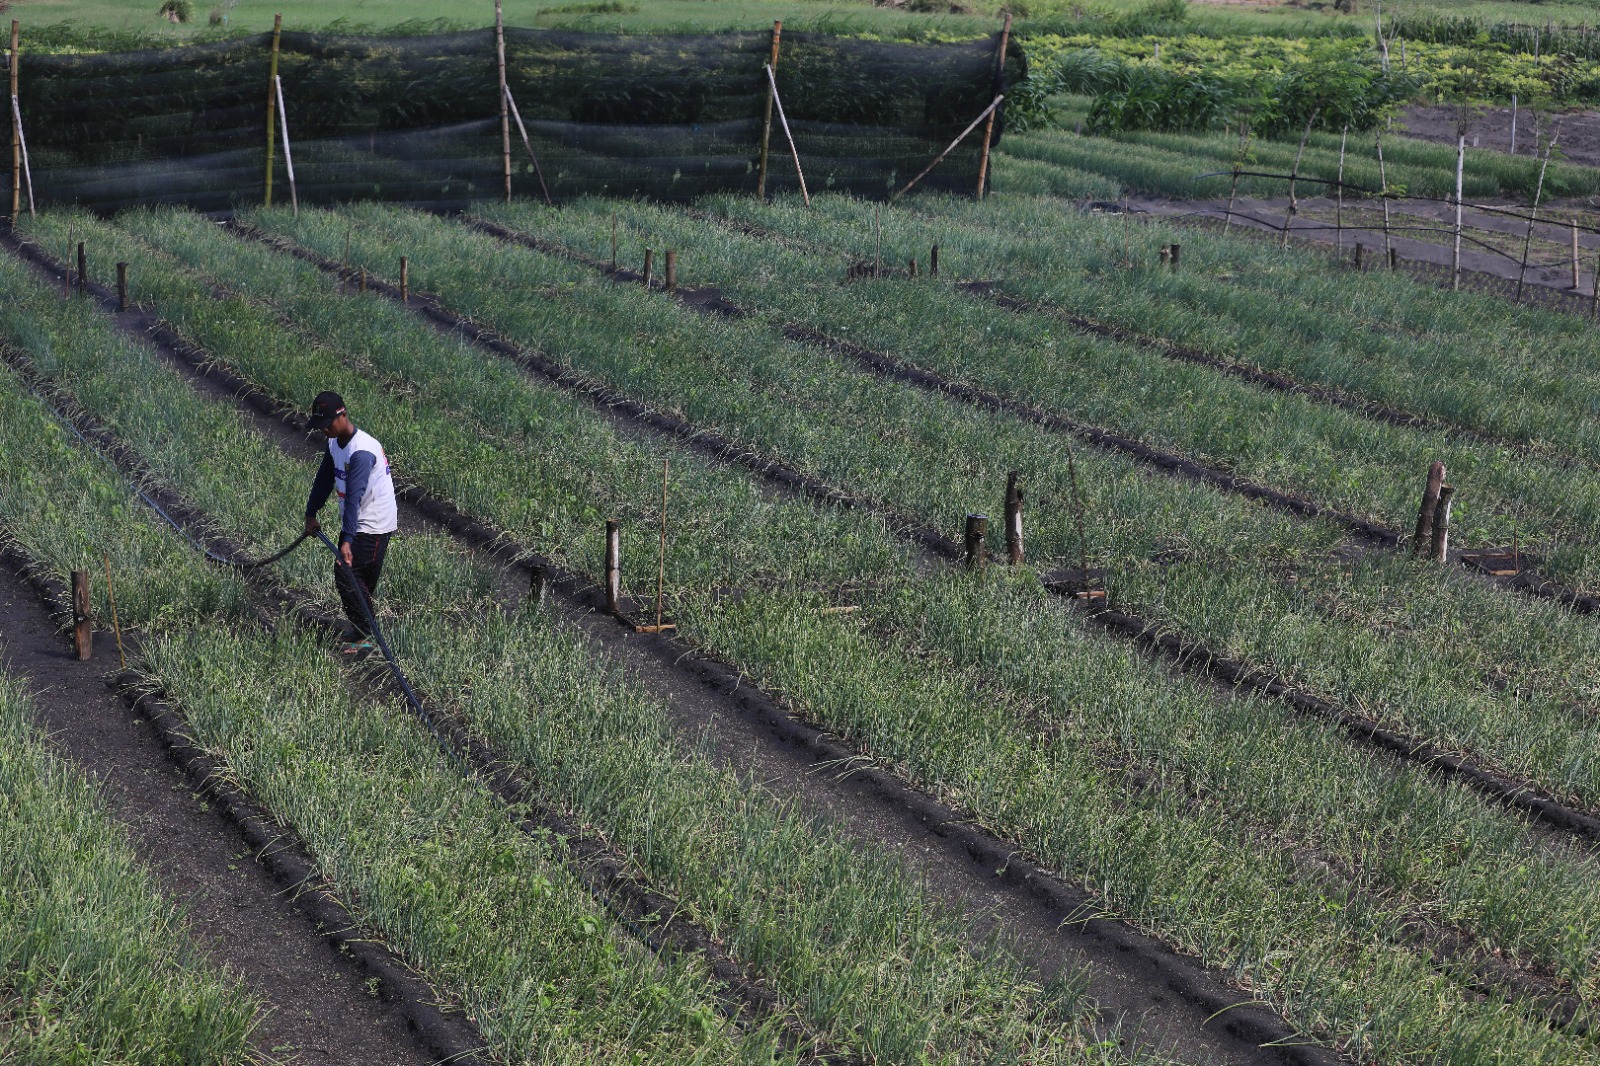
[(22, 142), (1574, 255), (1441, 525), (1383, 181), (1294, 174), (16, 127), (1455, 256), (1088, 594), (972, 542), (122, 286), (405, 279), (1425, 511), (272, 104), (948, 149), (288, 158), (511, 101), (83, 269), (613, 568), (505, 95), (66, 267), (82, 623), (777, 101), (116, 626), (766, 125), (1339, 209), (877, 245), (661, 570), (613, 242), (1014, 552), (1513, 123), (999, 84), (1533, 215), (1127, 234)]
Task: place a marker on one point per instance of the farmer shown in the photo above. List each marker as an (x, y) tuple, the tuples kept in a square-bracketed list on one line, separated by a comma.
[(356, 468)]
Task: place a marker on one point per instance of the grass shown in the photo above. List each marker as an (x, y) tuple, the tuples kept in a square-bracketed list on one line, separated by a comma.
[(96, 964), (894, 698)]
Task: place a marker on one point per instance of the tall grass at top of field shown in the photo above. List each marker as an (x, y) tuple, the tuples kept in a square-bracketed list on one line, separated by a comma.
[(96, 964)]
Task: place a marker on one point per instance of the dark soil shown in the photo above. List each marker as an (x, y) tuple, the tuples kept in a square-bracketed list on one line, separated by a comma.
[(320, 1009), (1490, 127)]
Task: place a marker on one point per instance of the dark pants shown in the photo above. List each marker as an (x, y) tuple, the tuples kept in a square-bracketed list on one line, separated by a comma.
[(366, 554)]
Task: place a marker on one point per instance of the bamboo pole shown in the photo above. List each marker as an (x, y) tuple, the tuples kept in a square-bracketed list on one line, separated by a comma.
[(1294, 206), (948, 149), (613, 567), (526, 143), (272, 105), (16, 127), (1425, 511), (405, 279), (1455, 256), (1383, 182), (1575, 282), (22, 142), (1513, 123), (288, 157), (1339, 209), (1014, 552), (1594, 293), (766, 124), (505, 95), (999, 85), (1441, 525), (772, 80), (1533, 215)]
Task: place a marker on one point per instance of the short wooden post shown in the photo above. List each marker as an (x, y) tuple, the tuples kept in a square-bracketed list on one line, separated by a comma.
[(977, 526), (672, 270), (405, 279), (1425, 512), (1173, 261), (1441, 525), (1166, 255), (1014, 551), (649, 266), (1358, 255), (82, 625), (1575, 282), (1394, 259), (613, 567), (363, 279), (912, 267), (933, 261), (83, 270), (538, 582), (122, 286)]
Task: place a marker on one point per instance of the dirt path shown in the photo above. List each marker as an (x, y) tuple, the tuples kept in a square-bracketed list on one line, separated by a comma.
[(320, 1007)]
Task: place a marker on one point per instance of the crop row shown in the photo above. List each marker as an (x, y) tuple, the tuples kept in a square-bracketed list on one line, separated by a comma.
[(879, 690), (856, 947), (1331, 626), (94, 960)]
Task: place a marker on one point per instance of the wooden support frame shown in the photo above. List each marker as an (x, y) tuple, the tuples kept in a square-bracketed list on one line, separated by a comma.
[(538, 171), (948, 148), (772, 80), (999, 86)]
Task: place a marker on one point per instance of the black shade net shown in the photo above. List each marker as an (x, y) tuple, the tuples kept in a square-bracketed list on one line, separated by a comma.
[(417, 119)]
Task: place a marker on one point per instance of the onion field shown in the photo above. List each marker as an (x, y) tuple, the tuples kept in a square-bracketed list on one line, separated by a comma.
[(1222, 771)]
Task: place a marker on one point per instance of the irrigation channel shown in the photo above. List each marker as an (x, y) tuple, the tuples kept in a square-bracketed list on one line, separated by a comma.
[(1520, 794), (1168, 999), (251, 890)]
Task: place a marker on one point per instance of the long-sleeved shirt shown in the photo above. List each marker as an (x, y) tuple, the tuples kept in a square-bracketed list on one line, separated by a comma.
[(361, 458)]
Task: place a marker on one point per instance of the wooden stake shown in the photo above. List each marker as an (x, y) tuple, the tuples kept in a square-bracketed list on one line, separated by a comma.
[(1430, 502), (272, 105), (999, 85), (1013, 519), (1538, 194), (766, 125), (1455, 257), (116, 626), (22, 144), (1294, 174), (66, 270), (1574, 255), (794, 152), (948, 149), (649, 266), (1127, 234), (613, 242), (1359, 249), (912, 266), (538, 581), (347, 230), (877, 240), (661, 571), (1383, 182), (1173, 259), (288, 156), (122, 286), (933, 262), (363, 279), (1441, 525), (613, 568), (672, 269), (522, 130), (405, 279), (82, 624), (1338, 217), (977, 526), (16, 128), (505, 96), (1594, 293), (1513, 123), (83, 270), (1394, 259), (1166, 254)]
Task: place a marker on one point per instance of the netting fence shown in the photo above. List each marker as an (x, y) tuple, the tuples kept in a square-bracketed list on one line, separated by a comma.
[(417, 119)]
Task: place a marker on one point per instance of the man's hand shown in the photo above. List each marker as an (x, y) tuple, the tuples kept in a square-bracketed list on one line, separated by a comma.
[(344, 553), (312, 525)]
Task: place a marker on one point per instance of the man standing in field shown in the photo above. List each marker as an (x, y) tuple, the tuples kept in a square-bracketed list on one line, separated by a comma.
[(356, 468)]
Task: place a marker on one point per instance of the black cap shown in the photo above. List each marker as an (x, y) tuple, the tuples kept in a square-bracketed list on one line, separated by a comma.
[(325, 408)]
